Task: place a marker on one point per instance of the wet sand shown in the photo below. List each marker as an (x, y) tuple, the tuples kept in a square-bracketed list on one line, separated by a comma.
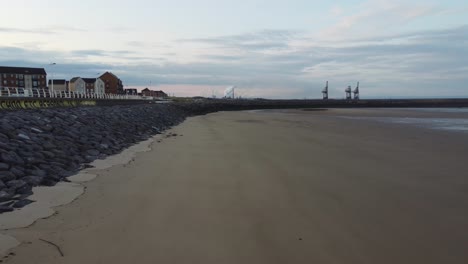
[(271, 187)]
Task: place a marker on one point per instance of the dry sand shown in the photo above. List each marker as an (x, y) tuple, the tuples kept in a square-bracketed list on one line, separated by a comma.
[(271, 187)]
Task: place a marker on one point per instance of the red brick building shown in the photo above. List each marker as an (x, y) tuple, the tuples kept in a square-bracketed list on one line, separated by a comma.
[(21, 77), (113, 85), (158, 94)]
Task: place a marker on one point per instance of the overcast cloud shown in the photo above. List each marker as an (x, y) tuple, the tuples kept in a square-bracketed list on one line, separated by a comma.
[(394, 49)]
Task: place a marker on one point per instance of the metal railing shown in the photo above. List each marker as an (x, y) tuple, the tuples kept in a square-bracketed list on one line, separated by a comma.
[(45, 93)]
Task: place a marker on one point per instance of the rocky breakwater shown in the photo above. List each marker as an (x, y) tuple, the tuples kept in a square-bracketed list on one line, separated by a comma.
[(43, 147)]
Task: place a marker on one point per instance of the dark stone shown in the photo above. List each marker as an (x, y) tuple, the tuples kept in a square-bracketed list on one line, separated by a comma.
[(7, 203), (48, 146), (2, 185), (16, 184), (48, 182), (34, 160), (93, 152), (26, 189), (39, 155), (4, 166), (4, 137), (4, 209), (48, 154), (90, 158), (18, 172), (12, 158), (32, 180), (40, 173), (7, 176), (22, 203), (4, 126), (7, 147), (5, 196)]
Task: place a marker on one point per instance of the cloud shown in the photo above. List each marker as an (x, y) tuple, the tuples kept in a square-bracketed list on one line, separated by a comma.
[(49, 30), (286, 64), (262, 40)]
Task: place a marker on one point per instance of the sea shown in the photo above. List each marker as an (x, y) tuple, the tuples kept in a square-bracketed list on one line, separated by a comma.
[(457, 123)]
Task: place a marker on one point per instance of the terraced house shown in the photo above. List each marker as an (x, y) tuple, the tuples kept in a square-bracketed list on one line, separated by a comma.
[(113, 85), (94, 85), (23, 78)]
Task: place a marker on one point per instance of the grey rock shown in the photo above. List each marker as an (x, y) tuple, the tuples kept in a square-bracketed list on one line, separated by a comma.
[(37, 130), (4, 126), (16, 184), (7, 146), (22, 203), (104, 146), (5, 196), (26, 189), (4, 137), (23, 136), (7, 176), (4, 166), (48, 182), (48, 154), (34, 160), (2, 185), (39, 173), (93, 152), (18, 172), (90, 158), (32, 180), (49, 146), (12, 158), (7, 203), (5, 209)]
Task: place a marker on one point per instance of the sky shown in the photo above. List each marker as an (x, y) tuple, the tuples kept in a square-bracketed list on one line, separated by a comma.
[(266, 48)]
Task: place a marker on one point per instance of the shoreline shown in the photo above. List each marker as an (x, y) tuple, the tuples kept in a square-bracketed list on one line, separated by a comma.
[(48, 199)]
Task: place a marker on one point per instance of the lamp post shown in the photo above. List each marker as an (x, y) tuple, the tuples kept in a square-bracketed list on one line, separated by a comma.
[(52, 80)]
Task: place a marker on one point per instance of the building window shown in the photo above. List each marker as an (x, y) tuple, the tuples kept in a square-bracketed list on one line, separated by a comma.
[(11, 75), (34, 83), (4, 75), (5, 82), (21, 76)]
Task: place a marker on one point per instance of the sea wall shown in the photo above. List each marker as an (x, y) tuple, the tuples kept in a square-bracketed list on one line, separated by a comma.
[(45, 146)]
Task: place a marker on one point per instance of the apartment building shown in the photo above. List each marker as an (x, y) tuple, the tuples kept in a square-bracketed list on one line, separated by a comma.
[(22, 77)]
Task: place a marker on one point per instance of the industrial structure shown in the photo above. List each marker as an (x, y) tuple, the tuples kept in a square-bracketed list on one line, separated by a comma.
[(356, 92), (348, 92), (325, 92), (230, 92)]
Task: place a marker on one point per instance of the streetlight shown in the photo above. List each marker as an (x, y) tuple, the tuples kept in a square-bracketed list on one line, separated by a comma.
[(52, 81)]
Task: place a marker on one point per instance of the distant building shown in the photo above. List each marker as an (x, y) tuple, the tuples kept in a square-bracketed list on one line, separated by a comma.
[(21, 77), (77, 85), (59, 85), (94, 85), (113, 85), (158, 94), (131, 91)]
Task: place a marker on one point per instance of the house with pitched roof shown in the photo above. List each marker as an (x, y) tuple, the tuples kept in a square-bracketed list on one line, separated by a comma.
[(77, 85), (94, 85), (59, 85), (113, 85)]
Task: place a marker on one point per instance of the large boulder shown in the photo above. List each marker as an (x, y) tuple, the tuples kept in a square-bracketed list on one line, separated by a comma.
[(12, 158)]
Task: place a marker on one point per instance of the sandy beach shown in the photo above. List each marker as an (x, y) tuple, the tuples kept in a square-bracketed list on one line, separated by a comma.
[(287, 186)]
